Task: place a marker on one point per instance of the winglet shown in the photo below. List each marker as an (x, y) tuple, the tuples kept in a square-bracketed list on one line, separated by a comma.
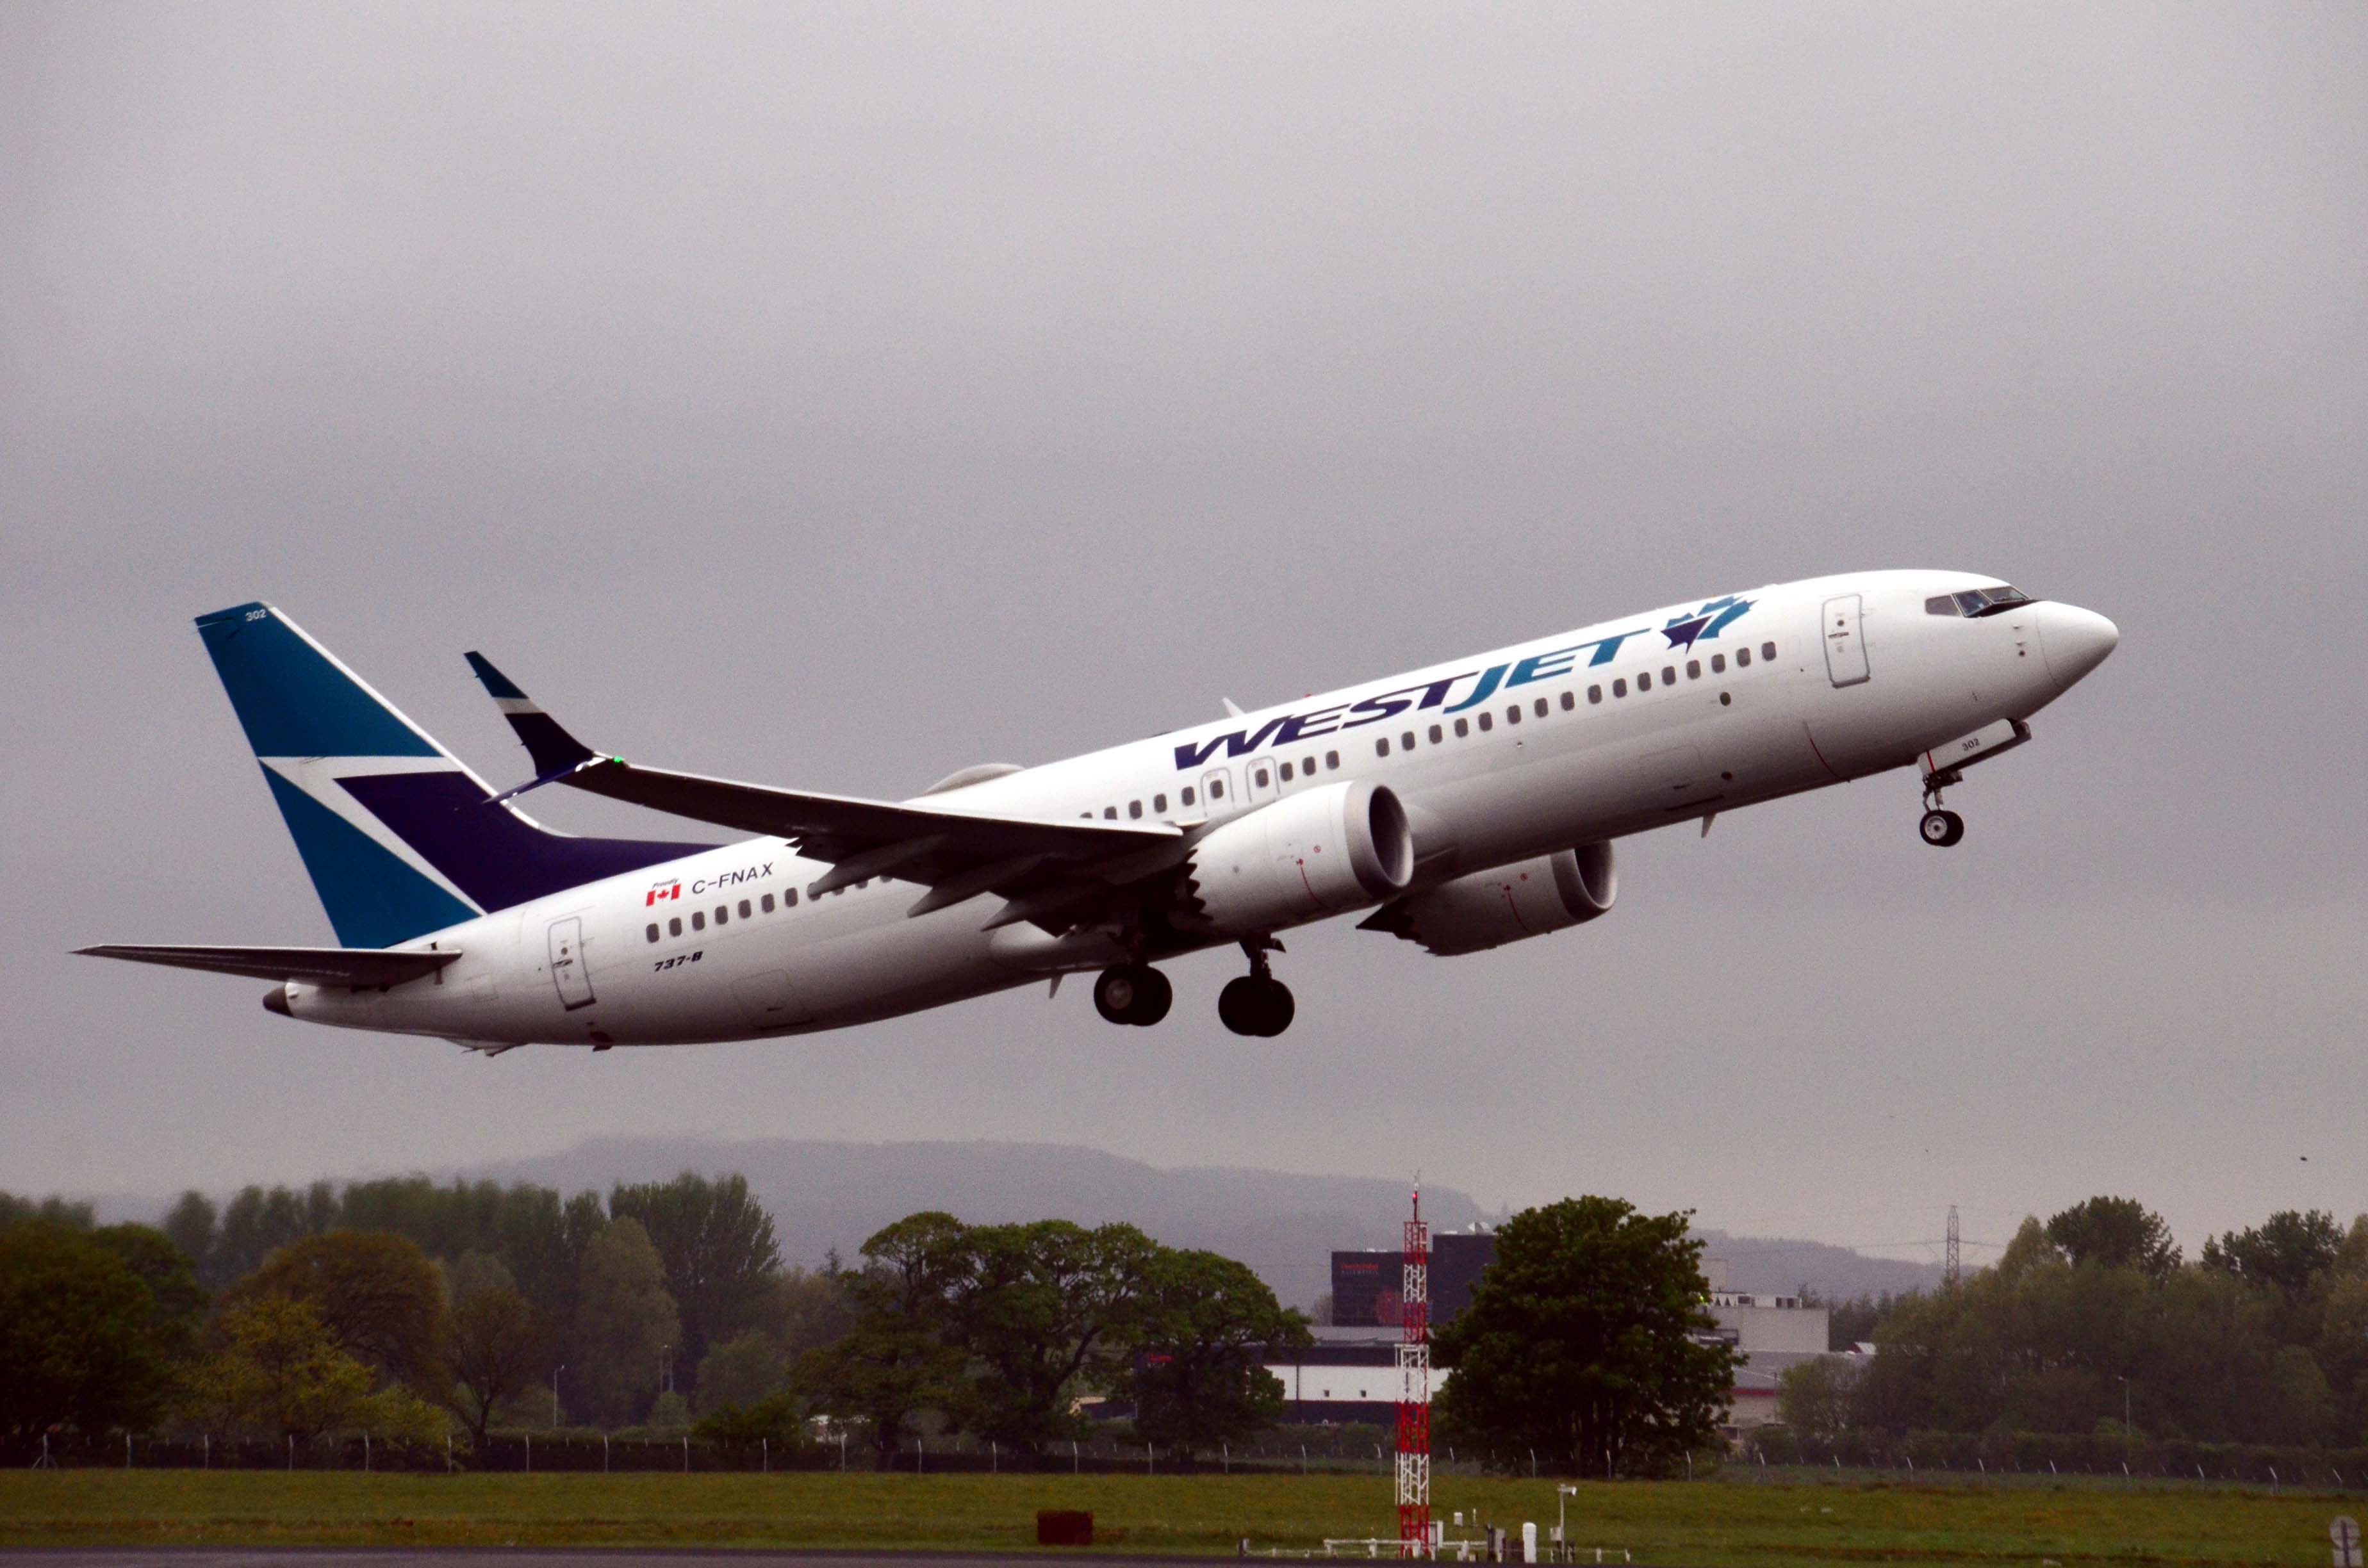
[(555, 753)]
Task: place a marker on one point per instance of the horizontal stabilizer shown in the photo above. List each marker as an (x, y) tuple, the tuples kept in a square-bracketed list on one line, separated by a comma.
[(317, 966)]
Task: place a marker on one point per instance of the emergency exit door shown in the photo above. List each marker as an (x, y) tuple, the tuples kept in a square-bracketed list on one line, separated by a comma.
[(568, 970), (1845, 643)]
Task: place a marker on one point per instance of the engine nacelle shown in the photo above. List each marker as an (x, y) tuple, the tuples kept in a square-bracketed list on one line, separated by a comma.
[(1301, 857), (1487, 909)]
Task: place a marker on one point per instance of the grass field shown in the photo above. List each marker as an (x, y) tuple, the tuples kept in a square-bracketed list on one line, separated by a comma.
[(1708, 1523)]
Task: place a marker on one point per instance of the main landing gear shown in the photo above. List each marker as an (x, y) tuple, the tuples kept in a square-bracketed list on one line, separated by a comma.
[(1256, 1004), (1132, 994), (1940, 828)]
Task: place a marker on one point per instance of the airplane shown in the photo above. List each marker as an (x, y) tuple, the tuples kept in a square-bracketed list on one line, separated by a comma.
[(1461, 807)]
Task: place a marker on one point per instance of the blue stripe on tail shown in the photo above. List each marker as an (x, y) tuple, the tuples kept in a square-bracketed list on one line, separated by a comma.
[(400, 838)]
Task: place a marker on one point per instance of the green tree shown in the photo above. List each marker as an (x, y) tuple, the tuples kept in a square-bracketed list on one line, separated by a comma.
[(720, 1254), (1040, 1310), (178, 1302), (625, 1325), (746, 1369), (1815, 1399), (496, 1345), (380, 1297), (78, 1344), (896, 1360), (280, 1370), (1583, 1342), (1198, 1377), (63, 1213), (2116, 1232), (2286, 1253), (811, 1308), (191, 1224)]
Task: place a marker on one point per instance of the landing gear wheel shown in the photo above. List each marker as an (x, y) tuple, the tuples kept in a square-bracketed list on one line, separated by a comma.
[(1258, 1005), (1132, 994), (1941, 829), (1153, 997)]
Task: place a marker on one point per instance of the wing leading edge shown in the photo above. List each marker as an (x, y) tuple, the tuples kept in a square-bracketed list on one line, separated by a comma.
[(1047, 871)]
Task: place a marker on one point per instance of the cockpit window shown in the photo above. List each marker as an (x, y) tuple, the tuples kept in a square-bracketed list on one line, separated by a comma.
[(1976, 602)]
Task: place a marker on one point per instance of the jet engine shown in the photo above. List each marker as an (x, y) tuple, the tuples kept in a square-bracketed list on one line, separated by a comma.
[(1487, 909), (1318, 853)]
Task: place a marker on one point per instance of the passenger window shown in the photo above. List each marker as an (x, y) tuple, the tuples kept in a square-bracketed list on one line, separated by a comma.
[(1743, 658), (744, 909), (1718, 663), (1668, 674), (697, 921), (1382, 746), (1216, 788), (654, 930), (1258, 778), (1541, 704), (1331, 759), (790, 899), (1158, 802), (1513, 714), (1187, 794), (1436, 734), (1595, 694), (674, 926), (1693, 669), (1407, 739), (1135, 810), (1569, 702), (1462, 728), (722, 915), (1110, 813), (766, 904), (1644, 681), (1767, 651), (1620, 686), (1286, 773), (1486, 724), (1307, 767)]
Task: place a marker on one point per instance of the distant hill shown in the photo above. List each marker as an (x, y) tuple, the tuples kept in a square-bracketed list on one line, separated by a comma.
[(1769, 1266), (829, 1197)]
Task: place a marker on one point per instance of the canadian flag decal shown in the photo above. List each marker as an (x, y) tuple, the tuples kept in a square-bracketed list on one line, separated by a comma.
[(662, 892)]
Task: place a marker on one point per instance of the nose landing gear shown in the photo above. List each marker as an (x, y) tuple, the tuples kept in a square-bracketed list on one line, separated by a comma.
[(1940, 828), (1132, 994), (1256, 1004)]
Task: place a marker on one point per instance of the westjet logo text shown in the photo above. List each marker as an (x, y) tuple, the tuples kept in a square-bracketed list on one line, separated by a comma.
[(1682, 630)]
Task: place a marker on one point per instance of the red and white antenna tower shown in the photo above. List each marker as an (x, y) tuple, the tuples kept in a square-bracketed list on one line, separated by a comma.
[(1414, 1389)]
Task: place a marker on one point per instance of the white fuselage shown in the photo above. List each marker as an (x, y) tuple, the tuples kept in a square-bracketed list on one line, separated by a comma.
[(1581, 764)]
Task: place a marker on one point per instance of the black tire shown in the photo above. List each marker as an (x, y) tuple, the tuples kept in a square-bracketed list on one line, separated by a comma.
[(1941, 829), (1153, 997), (1239, 1006), (1117, 991), (1275, 1008)]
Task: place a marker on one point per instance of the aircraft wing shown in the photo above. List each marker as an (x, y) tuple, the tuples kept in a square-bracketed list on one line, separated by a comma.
[(1040, 867), (319, 966)]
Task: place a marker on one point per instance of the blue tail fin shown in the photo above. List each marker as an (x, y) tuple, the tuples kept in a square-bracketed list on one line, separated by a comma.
[(400, 838)]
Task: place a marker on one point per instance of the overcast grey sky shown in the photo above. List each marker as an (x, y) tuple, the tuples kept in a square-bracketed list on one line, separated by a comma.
[(841, 395)]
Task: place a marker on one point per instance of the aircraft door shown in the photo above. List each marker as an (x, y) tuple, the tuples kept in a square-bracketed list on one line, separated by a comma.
[(1217, 793), (1845, 642), (1263, 784), (569, 972)]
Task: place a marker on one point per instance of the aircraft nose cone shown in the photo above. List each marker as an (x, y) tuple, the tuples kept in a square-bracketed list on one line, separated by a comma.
[(2074, 641)]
